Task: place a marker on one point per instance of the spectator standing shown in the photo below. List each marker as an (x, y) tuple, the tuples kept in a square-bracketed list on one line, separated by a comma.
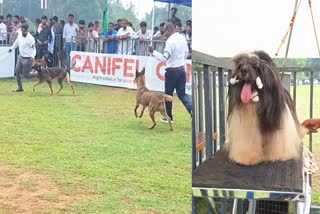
[(159, 38), (92, 38), (9, 25), (110, 42), (3, 31), (124, 38), (174, 55), (97, 27), (43, 38), (69, 31), (174, 20), (51, 47), (81, 36), (142, 37), (26, 43), (58, 43), (118, 25)]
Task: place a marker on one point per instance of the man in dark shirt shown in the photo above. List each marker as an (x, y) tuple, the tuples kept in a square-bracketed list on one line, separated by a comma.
[(174, 20), (43, 37)]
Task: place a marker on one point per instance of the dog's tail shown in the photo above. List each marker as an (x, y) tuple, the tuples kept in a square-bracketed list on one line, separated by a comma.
[(167, 98)]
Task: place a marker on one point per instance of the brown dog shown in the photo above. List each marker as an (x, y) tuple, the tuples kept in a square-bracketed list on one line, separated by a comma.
[(154, 101), (49, 74)]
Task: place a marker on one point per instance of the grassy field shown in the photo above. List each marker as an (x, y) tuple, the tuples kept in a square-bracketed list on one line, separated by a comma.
[(88, 153)]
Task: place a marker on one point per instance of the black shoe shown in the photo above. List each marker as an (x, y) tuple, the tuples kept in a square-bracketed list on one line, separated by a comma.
[(17, 90)]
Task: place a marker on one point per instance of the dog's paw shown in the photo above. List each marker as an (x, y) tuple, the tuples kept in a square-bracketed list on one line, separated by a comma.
[(140, 116)]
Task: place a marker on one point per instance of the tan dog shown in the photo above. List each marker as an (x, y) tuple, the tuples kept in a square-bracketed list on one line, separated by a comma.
[(154, 101), (49, 74)]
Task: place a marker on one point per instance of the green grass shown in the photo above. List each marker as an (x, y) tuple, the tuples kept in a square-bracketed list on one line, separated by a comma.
[(93, 148), (99, 154)]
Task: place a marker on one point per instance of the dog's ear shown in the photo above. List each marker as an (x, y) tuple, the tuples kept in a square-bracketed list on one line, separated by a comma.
[(137, 73), (143, 70)]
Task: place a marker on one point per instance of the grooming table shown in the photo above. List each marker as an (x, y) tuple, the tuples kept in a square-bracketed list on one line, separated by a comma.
[(218, 177)]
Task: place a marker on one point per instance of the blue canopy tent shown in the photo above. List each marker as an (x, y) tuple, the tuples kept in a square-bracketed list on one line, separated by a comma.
[(182, 2)]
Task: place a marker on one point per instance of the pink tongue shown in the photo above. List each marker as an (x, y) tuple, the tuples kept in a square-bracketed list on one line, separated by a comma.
[(246, 93)]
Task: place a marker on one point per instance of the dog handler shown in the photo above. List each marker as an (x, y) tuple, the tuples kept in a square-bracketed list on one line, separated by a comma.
[(27, 49), (175, 54)]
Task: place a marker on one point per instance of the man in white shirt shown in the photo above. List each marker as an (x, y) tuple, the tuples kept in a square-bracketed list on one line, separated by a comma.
[(3, 31), (175, 53), (143, 37), (69, 31), (27, 49), (124, 37)]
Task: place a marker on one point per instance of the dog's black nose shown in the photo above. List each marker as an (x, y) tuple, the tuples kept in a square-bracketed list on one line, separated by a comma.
[(243, 71)]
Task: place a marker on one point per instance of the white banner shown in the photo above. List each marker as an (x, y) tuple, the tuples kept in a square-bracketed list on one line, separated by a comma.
[(6, 62), (119, 70)]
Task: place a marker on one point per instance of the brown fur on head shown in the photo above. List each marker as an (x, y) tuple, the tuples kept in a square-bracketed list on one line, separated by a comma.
[(140, 78), (273, 97)]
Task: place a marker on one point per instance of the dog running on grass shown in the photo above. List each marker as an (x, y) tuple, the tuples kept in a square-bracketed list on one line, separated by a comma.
[(154, 101), (49, 74)]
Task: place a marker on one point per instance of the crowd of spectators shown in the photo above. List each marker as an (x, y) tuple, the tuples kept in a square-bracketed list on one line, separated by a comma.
[(56, 39)]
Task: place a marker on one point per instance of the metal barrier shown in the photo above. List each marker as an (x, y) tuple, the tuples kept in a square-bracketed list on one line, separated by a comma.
[(4, 39), (209, 80), (126, 47)]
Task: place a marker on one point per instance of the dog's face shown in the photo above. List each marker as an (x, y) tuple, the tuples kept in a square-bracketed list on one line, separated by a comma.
[(255, 79), (140, 77), (38, 64)]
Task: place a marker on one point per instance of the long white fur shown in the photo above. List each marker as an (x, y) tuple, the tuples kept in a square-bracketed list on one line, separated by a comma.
[(247, 145)]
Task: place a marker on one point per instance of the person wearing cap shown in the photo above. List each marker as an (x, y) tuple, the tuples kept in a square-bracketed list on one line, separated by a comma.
[(43, 38), (174, 20), (175, 53), (26, 43)]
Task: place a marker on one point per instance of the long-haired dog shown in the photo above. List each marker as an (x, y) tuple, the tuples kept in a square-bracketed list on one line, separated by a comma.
[(154, 101), (262, 121), (49, 74)]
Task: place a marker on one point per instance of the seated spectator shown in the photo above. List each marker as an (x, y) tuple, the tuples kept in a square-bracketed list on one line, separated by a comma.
[(81, 36), (124, 37), (143, 37), (110, 42), (92, 40)]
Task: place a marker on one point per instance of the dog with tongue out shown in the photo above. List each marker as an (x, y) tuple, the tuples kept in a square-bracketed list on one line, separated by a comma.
[(262, 121)]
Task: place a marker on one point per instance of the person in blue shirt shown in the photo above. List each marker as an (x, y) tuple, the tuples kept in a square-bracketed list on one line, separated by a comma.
[(110, 42)]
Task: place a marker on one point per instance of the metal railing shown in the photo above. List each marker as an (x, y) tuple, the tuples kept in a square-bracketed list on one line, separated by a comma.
[(209, 79), (126, 47)]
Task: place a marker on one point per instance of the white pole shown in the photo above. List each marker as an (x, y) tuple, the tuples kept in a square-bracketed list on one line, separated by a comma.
[(152, 22)]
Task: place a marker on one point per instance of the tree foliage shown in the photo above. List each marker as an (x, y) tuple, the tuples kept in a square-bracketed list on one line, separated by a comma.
[(90, 11)]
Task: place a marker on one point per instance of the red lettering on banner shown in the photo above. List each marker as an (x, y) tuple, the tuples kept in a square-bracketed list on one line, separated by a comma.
[(159, 75), (74, 60), (128, 67), (109, 66), (115, 66), (137, 65), (189, 72), (87, 65), (100, 66)]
